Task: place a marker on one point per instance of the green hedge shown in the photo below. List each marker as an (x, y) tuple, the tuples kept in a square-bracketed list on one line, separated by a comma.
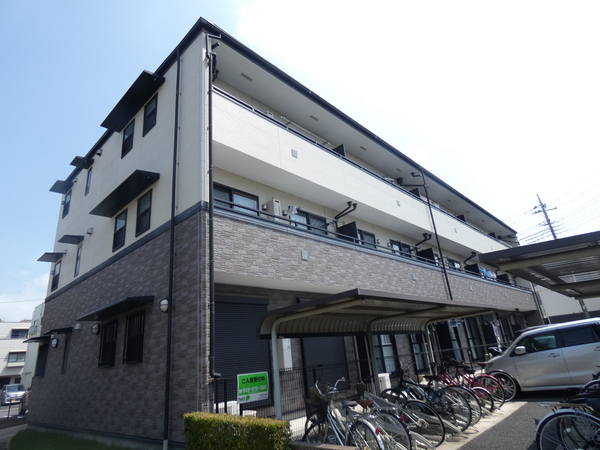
[(205, 431)]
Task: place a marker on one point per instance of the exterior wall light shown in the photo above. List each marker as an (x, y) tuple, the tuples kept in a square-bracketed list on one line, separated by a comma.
[(164, 305), (77, 327), (95, 328)]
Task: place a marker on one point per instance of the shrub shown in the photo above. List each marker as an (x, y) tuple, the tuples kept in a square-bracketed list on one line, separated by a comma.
[(205, 431)]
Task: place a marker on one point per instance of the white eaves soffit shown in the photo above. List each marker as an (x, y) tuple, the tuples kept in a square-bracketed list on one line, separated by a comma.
[(359, 311)]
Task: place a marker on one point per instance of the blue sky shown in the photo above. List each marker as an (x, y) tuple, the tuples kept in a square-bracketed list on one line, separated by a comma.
[(499, 99)]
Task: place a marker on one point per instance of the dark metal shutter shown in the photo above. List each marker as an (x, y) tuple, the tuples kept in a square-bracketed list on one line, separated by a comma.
[(325, 358), (237, 347)]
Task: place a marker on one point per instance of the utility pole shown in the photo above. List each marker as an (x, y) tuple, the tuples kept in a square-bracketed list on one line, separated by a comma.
[(544, 210)]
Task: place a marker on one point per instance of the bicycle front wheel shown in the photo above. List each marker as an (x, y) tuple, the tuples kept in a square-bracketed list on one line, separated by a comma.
[(320, 433), (364, 436), (423, 420), (493, 386), (473, 402), (395, 435), (568, 429), (486, 400), (455, 408)]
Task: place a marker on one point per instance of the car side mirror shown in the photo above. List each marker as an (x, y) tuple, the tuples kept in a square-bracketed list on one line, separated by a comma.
[(520, 350)]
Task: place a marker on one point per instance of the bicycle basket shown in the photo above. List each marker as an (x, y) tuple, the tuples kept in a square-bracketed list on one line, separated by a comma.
[(315, 405)]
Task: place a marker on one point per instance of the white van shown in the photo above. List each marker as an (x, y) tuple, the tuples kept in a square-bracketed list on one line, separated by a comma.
[(556, 356)]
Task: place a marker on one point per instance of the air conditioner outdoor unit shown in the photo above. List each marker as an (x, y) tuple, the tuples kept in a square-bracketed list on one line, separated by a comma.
[(274, 207)]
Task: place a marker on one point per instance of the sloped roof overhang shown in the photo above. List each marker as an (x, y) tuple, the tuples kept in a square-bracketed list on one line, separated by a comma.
[(359, 311), (569, 266)]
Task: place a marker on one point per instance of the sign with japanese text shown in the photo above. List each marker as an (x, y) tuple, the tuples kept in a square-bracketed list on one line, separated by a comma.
[(252, 387)]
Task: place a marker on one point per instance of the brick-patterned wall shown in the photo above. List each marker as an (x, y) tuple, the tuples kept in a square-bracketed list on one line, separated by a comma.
[(115, 399), (259, 252)]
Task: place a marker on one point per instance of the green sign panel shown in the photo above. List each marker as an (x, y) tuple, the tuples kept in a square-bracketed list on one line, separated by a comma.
[(252, 387)]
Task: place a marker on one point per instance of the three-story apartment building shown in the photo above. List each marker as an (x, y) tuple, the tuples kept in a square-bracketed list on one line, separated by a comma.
[(227, 204)]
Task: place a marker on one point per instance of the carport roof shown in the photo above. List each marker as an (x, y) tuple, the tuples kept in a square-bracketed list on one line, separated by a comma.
[(569, 266), (357, 311)]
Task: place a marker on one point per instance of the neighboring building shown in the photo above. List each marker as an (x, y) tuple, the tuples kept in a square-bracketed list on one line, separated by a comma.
[(12, 351), (33, 338), (225, 193), (560, 308)]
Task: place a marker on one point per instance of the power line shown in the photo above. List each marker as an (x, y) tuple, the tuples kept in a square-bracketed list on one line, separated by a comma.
[(23, 301)]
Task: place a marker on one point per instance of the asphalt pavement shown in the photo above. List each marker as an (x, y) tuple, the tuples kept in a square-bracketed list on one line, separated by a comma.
[(512, 428)]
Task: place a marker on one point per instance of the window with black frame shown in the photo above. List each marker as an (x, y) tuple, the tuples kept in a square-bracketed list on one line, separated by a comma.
[(55, 276), (119, 233), (226, 197), (143, 213), (66, 204), (108, 344), (401, 248), (134, 338), (474, 337), (67, 344), (367, 239), (419, 350), (309, 221), (42, 357), (150, 114), (385, 353), (127, 143)]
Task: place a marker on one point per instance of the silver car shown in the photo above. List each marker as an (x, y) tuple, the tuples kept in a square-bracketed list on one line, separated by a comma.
[(554, 356), (12, 393)]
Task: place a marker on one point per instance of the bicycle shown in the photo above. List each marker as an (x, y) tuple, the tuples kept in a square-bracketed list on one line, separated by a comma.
[(464, 374), (452, 406), (573, 425), (425, 425), (325, 423)]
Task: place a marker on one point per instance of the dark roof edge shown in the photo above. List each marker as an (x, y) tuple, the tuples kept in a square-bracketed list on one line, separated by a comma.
[(579, 239)]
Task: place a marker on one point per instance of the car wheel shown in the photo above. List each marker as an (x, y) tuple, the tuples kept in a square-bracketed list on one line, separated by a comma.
[(511, 388)]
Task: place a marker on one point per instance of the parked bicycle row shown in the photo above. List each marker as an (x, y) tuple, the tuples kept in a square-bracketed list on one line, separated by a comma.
[(411, 415)]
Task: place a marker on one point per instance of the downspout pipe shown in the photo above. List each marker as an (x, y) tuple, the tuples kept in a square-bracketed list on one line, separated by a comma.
[(171, 262), (211, 213), (437, 237)]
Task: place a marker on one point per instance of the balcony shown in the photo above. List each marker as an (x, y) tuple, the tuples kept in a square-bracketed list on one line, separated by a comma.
[(350, 238), (254, 145)]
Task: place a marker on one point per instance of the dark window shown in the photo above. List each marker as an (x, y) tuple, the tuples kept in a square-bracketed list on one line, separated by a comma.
[(42, 356), (127, 138), (366, 238), (16, 357), (226, 197), (150, 115), (119, 234), (579, 336), (65, 354), (400, 248), (134, 338), (18, 334), (88, 181), (66, 204), (385, 353), (143, 213), (474, 338), (55, 276), (108, 345), (77, 260), (419, 349), (309, 221)]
